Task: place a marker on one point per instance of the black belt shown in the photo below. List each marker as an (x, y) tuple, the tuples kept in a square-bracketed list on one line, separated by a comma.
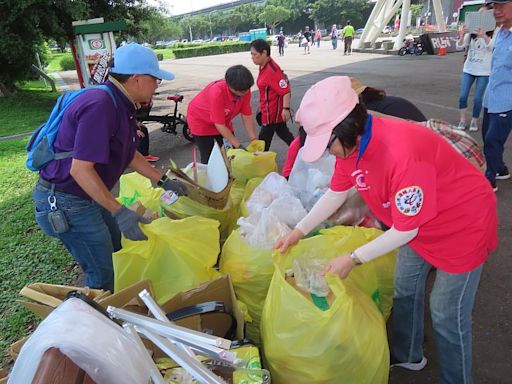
[(45, 184)]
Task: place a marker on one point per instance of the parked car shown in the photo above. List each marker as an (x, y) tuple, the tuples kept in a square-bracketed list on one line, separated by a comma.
[(359, 31), (387, 29)]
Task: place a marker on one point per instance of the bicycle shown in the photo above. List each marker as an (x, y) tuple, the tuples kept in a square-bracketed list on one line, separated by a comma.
[(411, 47), (171, 121)]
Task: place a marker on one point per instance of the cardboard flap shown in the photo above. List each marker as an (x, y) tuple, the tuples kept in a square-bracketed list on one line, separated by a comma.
[(219, 289)]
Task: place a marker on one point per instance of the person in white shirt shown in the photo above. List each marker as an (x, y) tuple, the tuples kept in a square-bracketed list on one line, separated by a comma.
[(477, 68)]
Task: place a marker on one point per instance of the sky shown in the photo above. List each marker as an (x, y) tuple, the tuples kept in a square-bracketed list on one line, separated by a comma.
[(178, 7)]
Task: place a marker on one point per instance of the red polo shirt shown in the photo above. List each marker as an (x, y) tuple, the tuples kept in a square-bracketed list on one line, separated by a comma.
[(272, 85), (215, 104), (410, 177)]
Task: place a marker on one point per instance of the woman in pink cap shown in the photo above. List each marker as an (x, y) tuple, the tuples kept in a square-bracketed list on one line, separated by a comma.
[(440, 210)]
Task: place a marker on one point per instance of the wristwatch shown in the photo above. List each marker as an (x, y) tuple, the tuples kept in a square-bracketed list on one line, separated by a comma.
[(355, 259), (162, 180)]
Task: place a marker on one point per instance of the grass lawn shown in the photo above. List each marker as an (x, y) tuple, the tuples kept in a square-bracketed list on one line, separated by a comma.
[(168, 54), (26, 110), (26, 254), (54, 64)]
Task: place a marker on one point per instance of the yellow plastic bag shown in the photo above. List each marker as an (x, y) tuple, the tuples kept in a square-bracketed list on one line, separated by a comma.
[(251, 270), (346, 343), (246, 165), (227, 217), (133, 187), (136, 187), (382, 267), (178, 255)]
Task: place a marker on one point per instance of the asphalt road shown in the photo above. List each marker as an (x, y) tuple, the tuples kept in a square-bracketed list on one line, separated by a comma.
[(432, 83)]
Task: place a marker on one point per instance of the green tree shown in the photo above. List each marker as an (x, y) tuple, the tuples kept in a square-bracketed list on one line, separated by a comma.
[(339, 11), (199, 25), (159, 27), (26, 24), (273, 15)]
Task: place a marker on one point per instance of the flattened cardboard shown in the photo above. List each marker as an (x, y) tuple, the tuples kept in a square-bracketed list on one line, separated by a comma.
[(220, 289), (46, 297)]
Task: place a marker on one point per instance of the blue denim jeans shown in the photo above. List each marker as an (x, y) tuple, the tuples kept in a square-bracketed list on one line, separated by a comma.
[(334, 43), (92, 237), (451, 307), (466, 82), (495, 128)]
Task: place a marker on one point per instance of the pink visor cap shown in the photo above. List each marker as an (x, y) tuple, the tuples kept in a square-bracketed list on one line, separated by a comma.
[(324, 105)]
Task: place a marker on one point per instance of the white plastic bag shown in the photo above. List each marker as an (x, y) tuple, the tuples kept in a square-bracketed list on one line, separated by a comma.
[(309, 181), (287, 209), (270, 188), (96, 344), (261, 230)]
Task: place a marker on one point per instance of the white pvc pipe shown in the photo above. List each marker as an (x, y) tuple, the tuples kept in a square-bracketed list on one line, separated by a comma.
[(159, 314), (155, 373), (191, 365)]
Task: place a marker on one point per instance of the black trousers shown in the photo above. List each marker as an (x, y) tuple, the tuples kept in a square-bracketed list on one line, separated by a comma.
[(143, 141), (281, 49), (205, 145), (267, 133), (348, 44)]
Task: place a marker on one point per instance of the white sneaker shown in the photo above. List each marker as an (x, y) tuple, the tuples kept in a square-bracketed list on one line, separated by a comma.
[(473, 127), (461, 126)]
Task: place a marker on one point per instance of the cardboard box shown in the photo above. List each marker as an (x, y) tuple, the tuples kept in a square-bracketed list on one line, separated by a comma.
[(220, 289), (45, 297)]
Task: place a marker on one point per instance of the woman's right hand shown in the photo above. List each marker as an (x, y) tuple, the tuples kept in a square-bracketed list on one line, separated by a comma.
[(288, 241)]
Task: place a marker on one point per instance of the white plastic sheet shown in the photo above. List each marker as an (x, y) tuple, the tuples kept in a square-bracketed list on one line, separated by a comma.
[(92, 341)]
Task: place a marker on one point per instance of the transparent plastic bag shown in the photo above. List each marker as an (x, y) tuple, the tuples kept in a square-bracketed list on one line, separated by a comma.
[(310, 180), (287, 209), (307, 271), (93, 342), (270, 188), (262, 229)]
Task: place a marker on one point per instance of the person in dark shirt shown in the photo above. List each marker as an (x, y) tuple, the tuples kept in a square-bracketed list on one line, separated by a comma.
[(377, 100), (309, 37), (280, 43)]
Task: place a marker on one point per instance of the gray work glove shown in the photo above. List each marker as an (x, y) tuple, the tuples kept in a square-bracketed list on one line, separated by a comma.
[(175, 186), (128, 222)]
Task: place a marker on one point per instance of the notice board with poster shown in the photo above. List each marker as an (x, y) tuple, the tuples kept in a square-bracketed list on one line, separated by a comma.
[(94, 48), (432, 41)]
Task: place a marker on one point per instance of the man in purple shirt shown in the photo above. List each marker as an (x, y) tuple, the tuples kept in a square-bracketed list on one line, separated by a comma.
[(72, 197)]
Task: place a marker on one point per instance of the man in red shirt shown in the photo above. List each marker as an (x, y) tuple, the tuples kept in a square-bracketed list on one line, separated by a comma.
[(440, 209), (275, 95), (211, 111)]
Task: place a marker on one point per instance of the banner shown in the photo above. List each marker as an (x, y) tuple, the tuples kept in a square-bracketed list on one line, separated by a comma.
[(94, 52)]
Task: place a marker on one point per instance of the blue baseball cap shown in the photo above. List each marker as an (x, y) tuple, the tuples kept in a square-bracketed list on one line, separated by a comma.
[(134, 59)]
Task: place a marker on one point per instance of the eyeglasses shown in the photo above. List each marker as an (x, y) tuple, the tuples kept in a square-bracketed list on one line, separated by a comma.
[(157, 80), (331, 141)]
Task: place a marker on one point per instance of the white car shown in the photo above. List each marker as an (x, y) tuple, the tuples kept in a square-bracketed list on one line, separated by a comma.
[(387, 29)]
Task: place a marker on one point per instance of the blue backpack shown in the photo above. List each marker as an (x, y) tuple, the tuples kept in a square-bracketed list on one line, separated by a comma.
[(40, 146)]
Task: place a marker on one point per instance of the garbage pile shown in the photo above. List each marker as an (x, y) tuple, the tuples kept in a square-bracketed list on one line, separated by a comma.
[(183, 314)]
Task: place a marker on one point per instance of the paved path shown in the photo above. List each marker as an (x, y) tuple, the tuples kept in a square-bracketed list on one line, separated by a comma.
[(431, 82)]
